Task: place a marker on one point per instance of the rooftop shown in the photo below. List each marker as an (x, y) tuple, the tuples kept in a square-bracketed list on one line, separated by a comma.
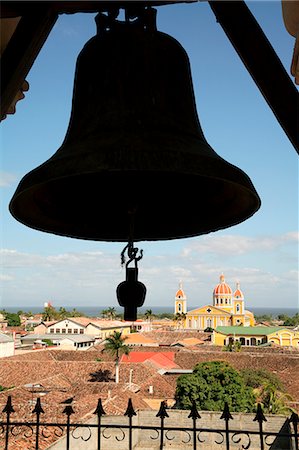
[(249, 331)]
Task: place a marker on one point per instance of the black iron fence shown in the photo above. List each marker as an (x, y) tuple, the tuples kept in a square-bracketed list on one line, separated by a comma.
[(161, 434)]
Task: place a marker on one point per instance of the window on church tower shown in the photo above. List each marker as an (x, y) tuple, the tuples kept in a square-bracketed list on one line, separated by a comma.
[(238, 307)]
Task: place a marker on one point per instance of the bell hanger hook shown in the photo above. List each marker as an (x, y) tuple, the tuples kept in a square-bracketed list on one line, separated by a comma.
[(131, 250)]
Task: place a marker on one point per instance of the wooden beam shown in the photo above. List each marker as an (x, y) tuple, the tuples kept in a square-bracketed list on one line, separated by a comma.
[(262, 63), (19, 8), (22, 50)]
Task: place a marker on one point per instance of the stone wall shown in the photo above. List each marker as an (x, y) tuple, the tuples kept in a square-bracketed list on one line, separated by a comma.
[(117, 439)]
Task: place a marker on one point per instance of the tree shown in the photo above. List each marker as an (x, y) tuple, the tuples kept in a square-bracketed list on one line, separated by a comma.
[(13, 319), (179, 318), (75, 313), (211, 385), (282, 317), (274, 402), (292, 321), (233, 346), (50, 313), (256, 378), (268, 390), (149, 315), (115, 345), (111, 313), (63, 313), (104, 313), (264, 318)]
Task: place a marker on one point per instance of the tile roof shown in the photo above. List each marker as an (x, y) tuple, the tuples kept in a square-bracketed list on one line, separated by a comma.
[(189, 341), (65, 374), (285, 366), (59, 337), (145, 355), (84, 321), (138, 338), (248, 331), (161, 361), (169, 337)]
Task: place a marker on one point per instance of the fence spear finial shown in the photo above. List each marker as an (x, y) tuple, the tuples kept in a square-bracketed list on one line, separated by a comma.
[(38, 407), (226, 415), (259, 417), (8, 409), (130, 412), (162, 413), (99, 409), (193, 412)]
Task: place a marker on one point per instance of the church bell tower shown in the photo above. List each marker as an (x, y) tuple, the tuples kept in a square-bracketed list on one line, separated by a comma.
[(180, 305)]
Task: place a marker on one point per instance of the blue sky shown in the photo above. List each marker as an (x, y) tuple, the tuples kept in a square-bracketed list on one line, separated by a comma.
[(261, 253)]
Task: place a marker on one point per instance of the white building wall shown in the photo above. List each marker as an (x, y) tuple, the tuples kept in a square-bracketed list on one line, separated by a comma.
[(66, 327), (7, 349)]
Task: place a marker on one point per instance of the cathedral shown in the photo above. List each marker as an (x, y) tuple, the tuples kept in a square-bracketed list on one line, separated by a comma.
[(228, 309)]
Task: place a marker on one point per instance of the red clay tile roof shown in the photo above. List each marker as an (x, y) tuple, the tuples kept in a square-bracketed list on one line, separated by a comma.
[(169, 337), (158, 359), (139, 338), (65, 374)]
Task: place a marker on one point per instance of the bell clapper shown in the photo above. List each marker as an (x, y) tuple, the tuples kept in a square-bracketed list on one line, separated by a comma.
[(131, 292)]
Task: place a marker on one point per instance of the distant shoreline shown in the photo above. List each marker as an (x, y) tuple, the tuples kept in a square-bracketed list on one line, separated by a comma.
[(94, 311)]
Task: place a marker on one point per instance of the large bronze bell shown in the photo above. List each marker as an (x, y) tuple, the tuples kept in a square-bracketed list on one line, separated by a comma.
[(134, 143)]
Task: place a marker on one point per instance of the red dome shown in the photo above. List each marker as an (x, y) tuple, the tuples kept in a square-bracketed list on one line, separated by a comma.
[(222, 288)]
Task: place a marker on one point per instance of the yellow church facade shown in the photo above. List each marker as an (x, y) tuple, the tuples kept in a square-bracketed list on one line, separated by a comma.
[(228, 309)]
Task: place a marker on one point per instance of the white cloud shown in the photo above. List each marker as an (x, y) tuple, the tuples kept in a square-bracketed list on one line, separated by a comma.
[(79, 278), (5, 277), (6, 179), (291, 236), (234, 245)]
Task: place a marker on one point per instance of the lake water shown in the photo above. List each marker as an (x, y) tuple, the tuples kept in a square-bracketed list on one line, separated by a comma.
[(94, 311)]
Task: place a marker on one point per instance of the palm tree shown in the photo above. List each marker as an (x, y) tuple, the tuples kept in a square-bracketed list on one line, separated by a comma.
[(63, 313), (111, 312), (75, 313), (149, 315), (179, 318), (115, 345), (50, 313), (274, 401), (104, 313)]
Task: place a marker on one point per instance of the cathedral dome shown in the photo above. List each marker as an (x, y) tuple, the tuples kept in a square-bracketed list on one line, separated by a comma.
[(222, 288)]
